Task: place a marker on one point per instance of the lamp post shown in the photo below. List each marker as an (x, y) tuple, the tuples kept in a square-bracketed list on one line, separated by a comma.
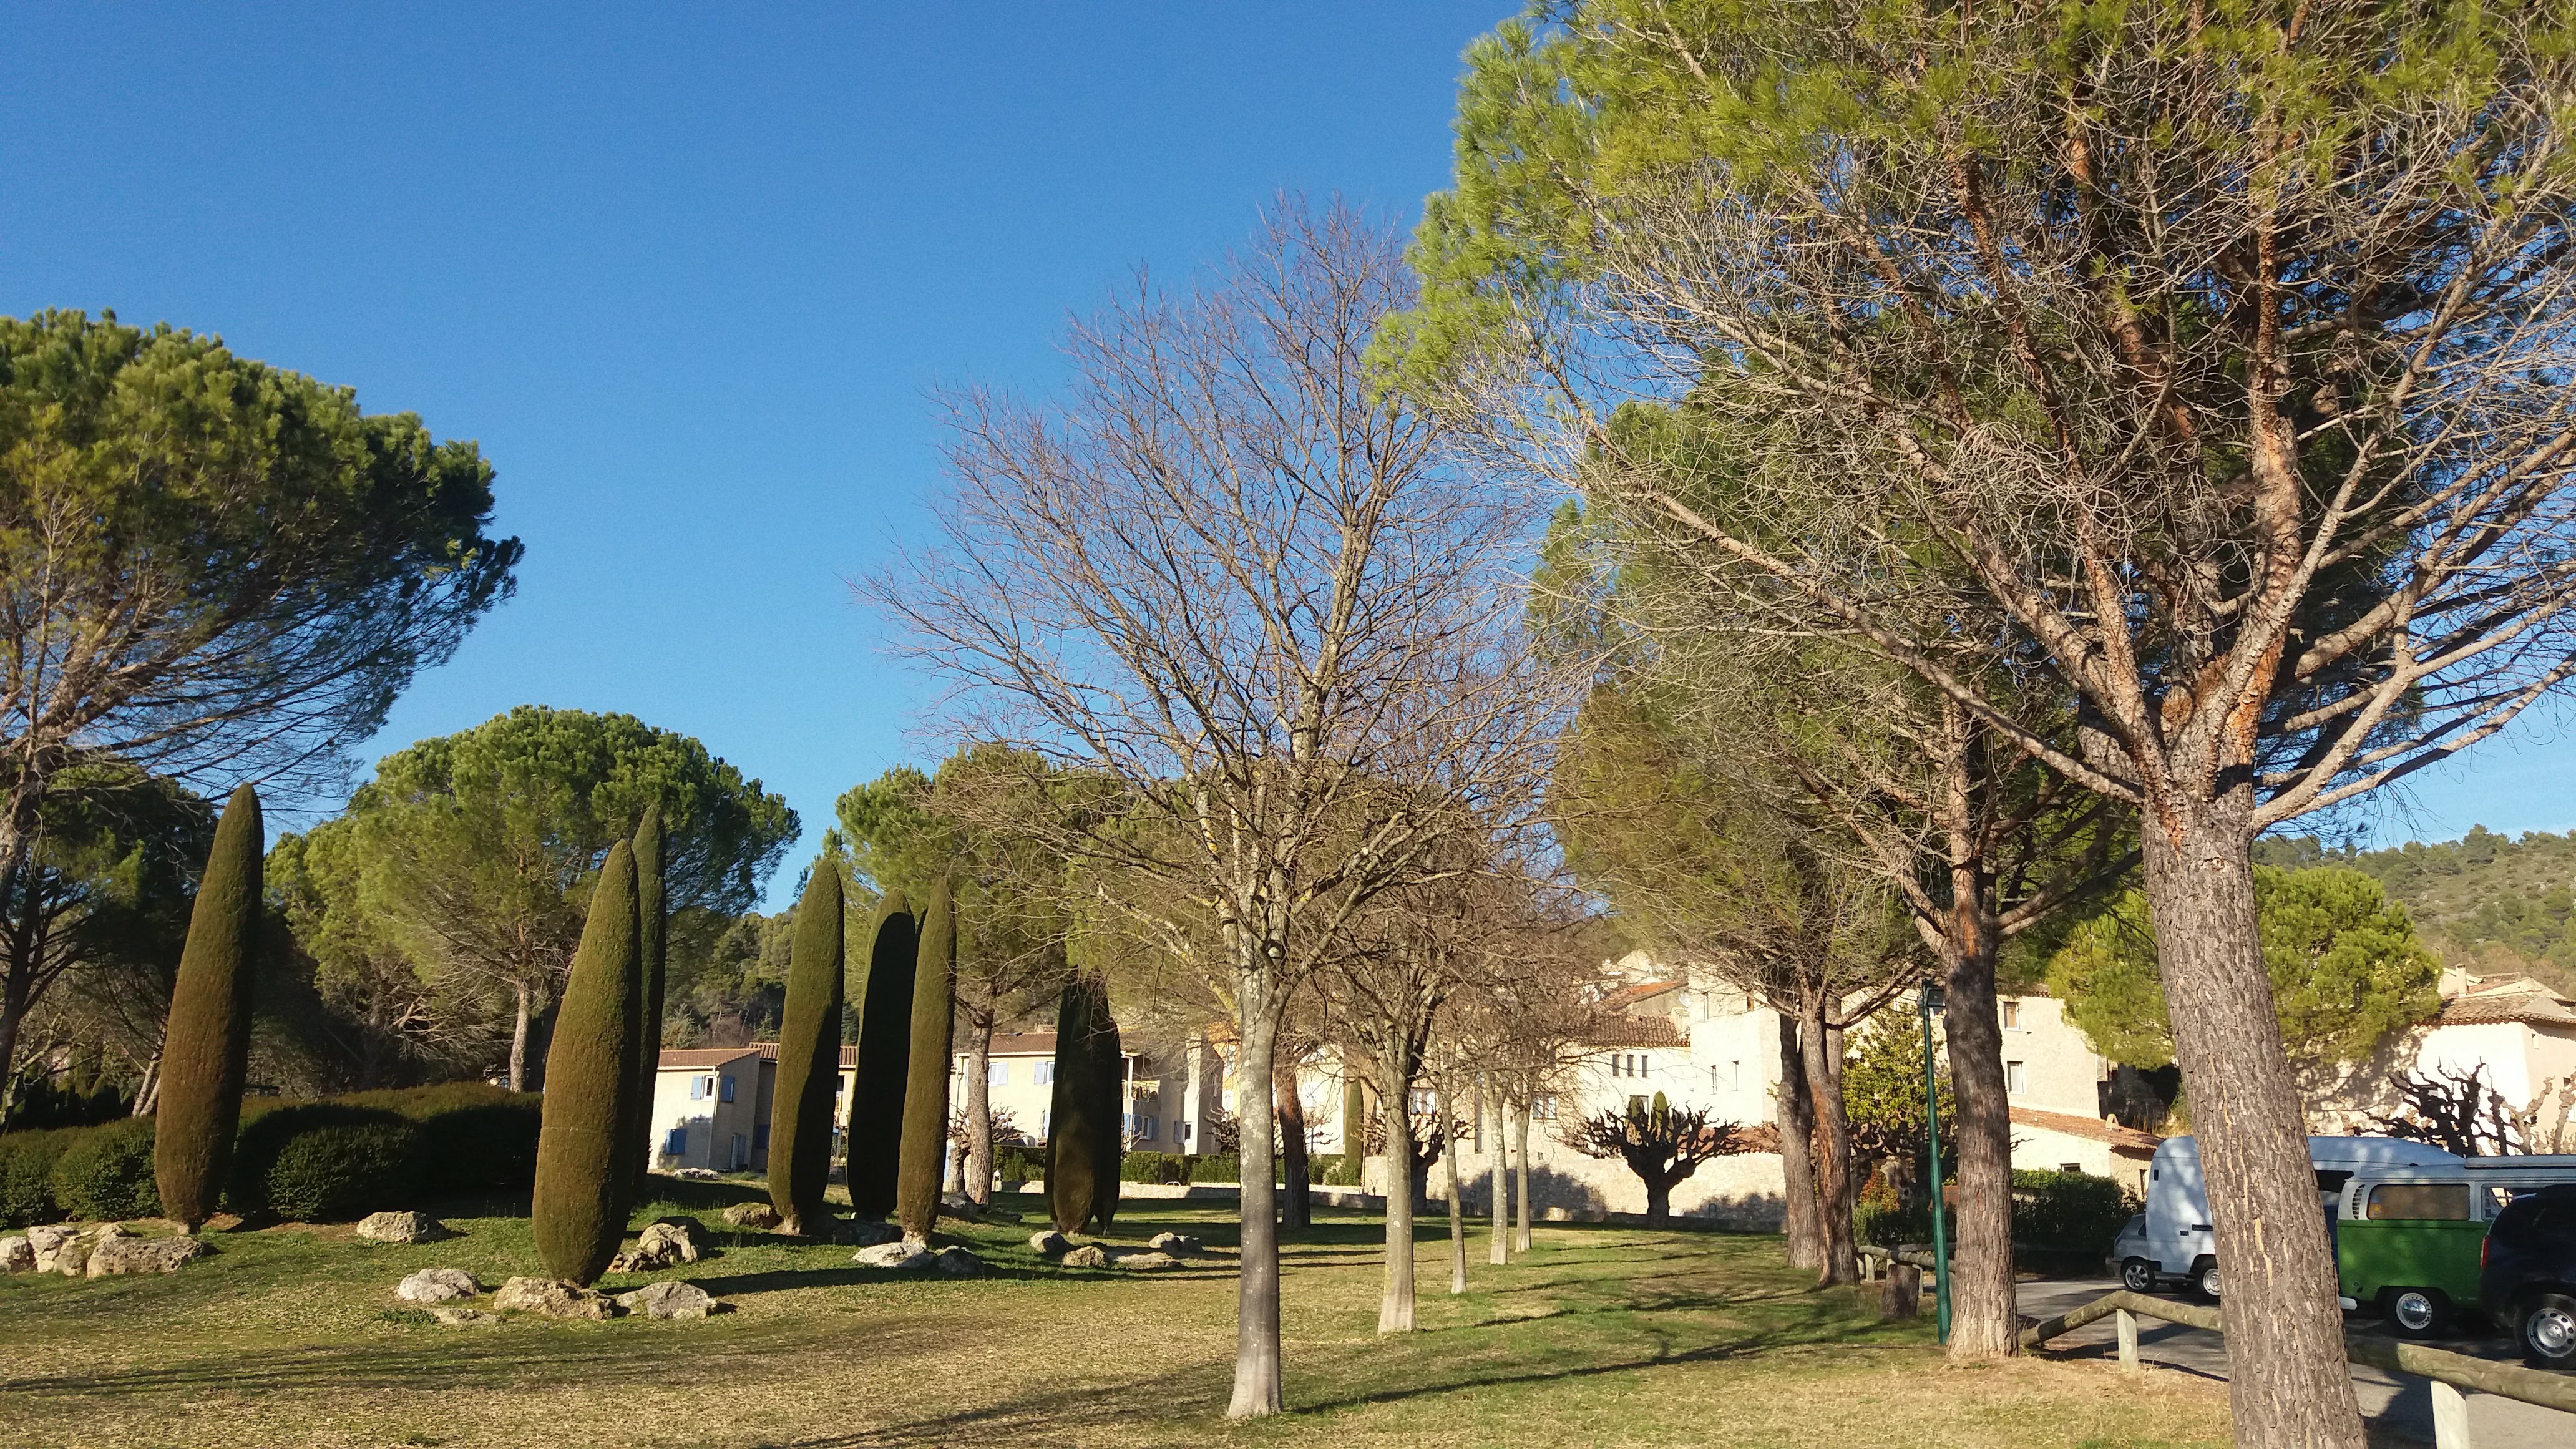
[(1931, 1001)]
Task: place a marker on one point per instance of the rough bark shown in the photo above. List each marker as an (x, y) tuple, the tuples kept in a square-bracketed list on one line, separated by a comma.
[(2291, 1383), (1499, 1250), (1256, 1323), (1983, 1320), (1821, 1047), (975, 1176), (1803, 1220), (519, 1036), (1659, 1202), (1297, 1209), (1457, 1212), (1395, 1302)]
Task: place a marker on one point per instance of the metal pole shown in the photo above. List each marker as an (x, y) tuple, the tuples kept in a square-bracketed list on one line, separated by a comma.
[(1932, 1135)]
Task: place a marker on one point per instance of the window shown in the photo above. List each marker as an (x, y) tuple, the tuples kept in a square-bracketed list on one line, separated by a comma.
[(2420, 1201), (677, 1143), (999, 1075), (1629, 1064), (1543, 1107), (1725, 1078), (2062, 1167), (1422, 1103), (2011, 1014), (1044, 1076), (1180, 1132), (760, 1137), (697, 1088), (726, 1095), (741, 1153), (2016, 1080)]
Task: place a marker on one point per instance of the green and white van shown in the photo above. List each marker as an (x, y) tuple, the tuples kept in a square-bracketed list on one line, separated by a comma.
[(2408, 1239)]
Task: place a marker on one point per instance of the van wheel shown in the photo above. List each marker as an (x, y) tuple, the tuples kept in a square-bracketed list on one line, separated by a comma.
[(2548, 1331), (2138, 1276), (2416, 1312), (2205, 1280)]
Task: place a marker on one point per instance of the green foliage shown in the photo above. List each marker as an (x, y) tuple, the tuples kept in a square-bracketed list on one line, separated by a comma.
[(1161, 1167), (877, 1084), (26, 1174), (2346, 970), (326, 1162), (1880, 1217), (1019, 1164), (2070, 1210), (923, 1156), (1883, 1092), (809, 1057), (473, 1137), (205, 1050), (651, 907), (108, 1173), (576, 1211), (2487, 903), (1085, 1136)]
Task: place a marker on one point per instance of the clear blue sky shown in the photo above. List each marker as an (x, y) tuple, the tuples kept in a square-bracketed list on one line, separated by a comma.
[(687, 274)]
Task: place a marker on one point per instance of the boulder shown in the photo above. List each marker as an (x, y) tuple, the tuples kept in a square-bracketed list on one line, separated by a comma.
[(956, 1263), (1050, 1242), (549, 1299), (1143, 1262), (125, 1253), (664, 1243), (869, 1232), (17, 1255), (400, 1227), (900, 1255), (455, 1317), (59, 1248), (697, 1174), (669, 1298), (752, 1215), (1087, 1256), (1175, 1244), (437, 1285)]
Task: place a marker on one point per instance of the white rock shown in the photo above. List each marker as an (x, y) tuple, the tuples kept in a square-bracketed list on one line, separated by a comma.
[(869, 1232), (664, 1243), (900, 1255), (752, 1215), (668, 1299), (59, 1248), (550, 1299), (17, 1255), (956, 1263), (1050, 1242), (1089, 1255), (124, 1253), (400, 1227), (1175, 1244), (437, 1285), (1144, 1262)]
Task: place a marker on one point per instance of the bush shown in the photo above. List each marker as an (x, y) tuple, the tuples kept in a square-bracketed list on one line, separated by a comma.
[(2069, 1210), (106, 1173), (1334, 1170), (1018, 1164), (26, 1171), (326, 1161), (1162, 1167), (1214, 1168)]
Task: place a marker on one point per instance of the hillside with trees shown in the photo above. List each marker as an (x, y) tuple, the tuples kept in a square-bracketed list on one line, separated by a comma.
[(2486, 903)]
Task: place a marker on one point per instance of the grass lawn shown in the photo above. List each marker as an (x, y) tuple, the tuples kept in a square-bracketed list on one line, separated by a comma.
[(1601, 1336)]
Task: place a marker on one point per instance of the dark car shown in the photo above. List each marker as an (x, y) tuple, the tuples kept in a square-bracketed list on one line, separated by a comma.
[(2527, 1277)]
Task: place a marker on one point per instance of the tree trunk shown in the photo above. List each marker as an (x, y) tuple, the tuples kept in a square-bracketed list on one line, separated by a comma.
[(13, 1012), (1802, 1221), (1297, 1211), (975, 1174), (1499, 1252), (1457, 1211), (1983, 1319), (1256, 1322), (519, 1041), (1520, 1157), (1659, 1202), (147, 1092), (1821, 1046), (1395, 1304), (2289, 1381)]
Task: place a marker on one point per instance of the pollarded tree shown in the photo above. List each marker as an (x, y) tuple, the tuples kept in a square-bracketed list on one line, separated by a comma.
[(207, 1049), (924, 1155), (809, 1056), (210, 567), (879, 1081), (2217, 361), (578, 1212), (1661, 1145)]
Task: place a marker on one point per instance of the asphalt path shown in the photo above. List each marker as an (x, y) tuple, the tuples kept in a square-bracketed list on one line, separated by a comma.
[(2396, 1406)]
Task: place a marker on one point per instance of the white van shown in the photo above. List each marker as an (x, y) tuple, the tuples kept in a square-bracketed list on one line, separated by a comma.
[(2175, 1239)]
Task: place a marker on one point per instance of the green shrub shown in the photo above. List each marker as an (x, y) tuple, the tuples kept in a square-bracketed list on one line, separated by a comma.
[(1163, 1167), (1214, 1168), (321, 1162), (26, 1172), (2071, 1210), (106, 1173), (1019, 1164), (1334, 1170)]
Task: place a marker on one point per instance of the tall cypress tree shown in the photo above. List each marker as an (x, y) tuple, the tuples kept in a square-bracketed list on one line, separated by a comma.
[(651, 907), (579, 1213), (206, 1049), (924, 1158), (1085, 1109), (1108, 1080), (875, 1133), (809, 1056)]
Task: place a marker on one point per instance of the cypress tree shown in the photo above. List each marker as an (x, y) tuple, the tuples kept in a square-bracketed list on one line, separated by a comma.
[(924, 1158), (578, 1213), (206, 1050), (651, 905), (1083, 1142), (809, 1056), (875, 1135)]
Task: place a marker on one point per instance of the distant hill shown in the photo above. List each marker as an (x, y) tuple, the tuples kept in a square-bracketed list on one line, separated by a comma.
[(2486, 903)]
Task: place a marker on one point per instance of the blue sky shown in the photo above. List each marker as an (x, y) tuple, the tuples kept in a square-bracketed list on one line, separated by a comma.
[(688, 276)]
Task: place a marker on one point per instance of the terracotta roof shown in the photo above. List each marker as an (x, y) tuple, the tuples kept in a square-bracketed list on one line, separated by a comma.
[(2510, 998), (689, 1059), (1629, 1031), (1627, 996), (2122, 1139), (1024, 1044)]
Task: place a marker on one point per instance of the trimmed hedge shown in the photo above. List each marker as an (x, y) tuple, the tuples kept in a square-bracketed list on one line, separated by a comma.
[(2069, 1210), (1163, 1167), (26, 1175), (106, 1173), (325, 1162), (1019, 1164)]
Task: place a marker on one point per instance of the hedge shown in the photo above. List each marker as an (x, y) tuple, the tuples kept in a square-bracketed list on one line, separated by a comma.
[(26, 1175), (1163, 1167), (106, 1173), (1019, 1164), (2071, 1210), (326, 1161)]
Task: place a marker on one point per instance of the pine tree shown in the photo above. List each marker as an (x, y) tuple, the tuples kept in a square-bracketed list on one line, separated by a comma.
[(652, 904), (578, 1212), (206, 1050), (1083, 1141), (809, 1056), (875, 1136), (924, 1158)]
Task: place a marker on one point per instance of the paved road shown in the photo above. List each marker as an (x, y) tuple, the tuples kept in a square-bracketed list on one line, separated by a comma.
[(2398, 1406)]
